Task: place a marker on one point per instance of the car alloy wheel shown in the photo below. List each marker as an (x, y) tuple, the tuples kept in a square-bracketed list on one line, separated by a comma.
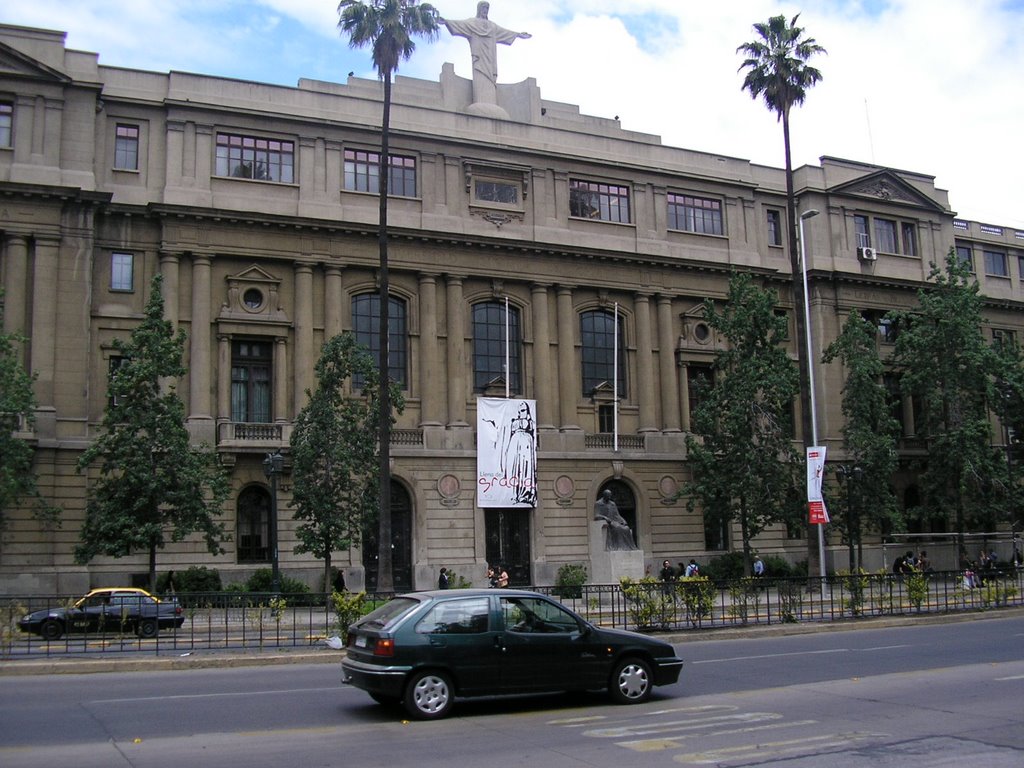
[(428, 695), (631, 682)]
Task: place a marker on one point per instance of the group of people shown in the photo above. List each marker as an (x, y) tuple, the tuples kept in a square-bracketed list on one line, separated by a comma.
[(497, 577), (910, 563), (976, 571), (688, 570)]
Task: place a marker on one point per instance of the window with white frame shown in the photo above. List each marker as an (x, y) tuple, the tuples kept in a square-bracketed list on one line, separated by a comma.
[(688, 213), (598, 200), (122, 269), (252, 157), (126, 147), (362, 173)]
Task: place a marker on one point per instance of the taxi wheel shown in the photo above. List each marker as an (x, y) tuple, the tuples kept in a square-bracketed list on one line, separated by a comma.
[(51, 629), (631, 682), (429, 695), (148, 628)]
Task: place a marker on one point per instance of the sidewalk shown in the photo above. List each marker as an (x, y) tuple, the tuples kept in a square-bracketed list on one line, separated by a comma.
[(133, 661)]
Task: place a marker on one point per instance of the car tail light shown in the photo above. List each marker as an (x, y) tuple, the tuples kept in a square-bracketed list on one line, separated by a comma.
[(177, 610), (385, 646)]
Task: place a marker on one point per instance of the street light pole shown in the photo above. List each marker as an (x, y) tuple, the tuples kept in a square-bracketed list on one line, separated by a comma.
[(273, 466), (810, 378)]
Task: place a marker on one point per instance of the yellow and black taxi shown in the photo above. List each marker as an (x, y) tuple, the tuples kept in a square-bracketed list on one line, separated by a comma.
[(425, 649), (109, 610)]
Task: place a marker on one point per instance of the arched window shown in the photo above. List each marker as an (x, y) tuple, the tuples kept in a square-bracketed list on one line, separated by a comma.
[(253, 525), (366, 323), (496, 338), (597, 339)]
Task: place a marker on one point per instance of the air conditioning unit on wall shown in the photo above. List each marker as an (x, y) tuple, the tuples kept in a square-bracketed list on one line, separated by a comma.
[(867, 254)]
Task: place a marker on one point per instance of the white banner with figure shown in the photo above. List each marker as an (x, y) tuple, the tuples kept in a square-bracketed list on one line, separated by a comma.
[(817, 513), (506, 452)]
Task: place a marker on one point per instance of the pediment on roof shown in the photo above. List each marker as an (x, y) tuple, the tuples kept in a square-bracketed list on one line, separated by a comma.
[(887, 187), (16, 63)]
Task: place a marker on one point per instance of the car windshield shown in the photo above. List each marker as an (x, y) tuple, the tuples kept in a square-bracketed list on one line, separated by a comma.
[(387, 613)]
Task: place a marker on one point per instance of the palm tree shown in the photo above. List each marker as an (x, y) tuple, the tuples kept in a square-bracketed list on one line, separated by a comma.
[(388, 26), (777, 70)]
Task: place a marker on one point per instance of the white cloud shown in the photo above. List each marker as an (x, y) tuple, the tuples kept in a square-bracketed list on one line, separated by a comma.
[(931, 86)]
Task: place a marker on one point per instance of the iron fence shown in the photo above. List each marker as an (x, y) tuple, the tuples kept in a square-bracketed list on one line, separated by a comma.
[(234, 621)]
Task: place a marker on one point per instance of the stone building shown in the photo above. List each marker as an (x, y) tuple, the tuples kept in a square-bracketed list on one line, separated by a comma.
[(257, 204)]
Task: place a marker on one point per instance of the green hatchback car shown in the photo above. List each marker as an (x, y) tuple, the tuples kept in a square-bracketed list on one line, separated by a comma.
[(425, 649)]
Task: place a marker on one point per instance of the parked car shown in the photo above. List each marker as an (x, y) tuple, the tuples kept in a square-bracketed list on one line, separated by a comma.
[(425, 649), (115, 609)]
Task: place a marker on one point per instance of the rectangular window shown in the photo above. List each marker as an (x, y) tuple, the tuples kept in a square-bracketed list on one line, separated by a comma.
[(600, 201), (774, 228), (495, 191), (122, 267), (698, 382), (362, 173), (115, 362), (860, 228), (126, 148), (909, 232), (248, 157), (6, 123), (1002, 338), (966, 256), (885, 235), (996, 263), (250, 381), (695, 214)]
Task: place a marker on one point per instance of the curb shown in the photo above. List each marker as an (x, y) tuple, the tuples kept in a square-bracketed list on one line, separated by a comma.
[(71, 665)]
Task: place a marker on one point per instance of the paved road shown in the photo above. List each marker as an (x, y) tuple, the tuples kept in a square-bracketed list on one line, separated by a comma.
[(935, 694)]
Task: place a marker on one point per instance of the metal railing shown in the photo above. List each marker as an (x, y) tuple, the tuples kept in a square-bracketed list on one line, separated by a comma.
[(236, 621)]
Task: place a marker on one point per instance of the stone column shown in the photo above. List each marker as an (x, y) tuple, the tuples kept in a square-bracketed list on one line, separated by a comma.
[(332, 302), (16, 286), (645, 364), (543, 370), (568, 373), (169, 268), (281, 414), (456, 354), (430, 360), (684, 396), (667, 366), (42, 341), (304, 356), (199, 368), (223, 378)]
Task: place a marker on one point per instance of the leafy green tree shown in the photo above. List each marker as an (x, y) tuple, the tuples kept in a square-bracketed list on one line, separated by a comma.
[(778, 71), (741, 455), (152, 482), (388, 26), (18, 480), (869, 436), (944, 361), (1009, 406), (334, 452)]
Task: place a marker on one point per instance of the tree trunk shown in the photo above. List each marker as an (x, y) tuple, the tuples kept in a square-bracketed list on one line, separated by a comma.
[(385, 579), (152, 567)]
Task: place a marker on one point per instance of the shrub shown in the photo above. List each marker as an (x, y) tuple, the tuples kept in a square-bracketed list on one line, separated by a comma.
[(570, 579), (197, 578), (263, 581), (348, 607)]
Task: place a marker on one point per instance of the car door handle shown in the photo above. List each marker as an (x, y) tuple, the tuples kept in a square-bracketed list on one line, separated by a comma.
[(438, 642)]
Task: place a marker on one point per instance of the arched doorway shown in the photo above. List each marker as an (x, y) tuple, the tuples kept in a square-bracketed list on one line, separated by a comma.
[(252, 537), (401, 542), (624, 499)]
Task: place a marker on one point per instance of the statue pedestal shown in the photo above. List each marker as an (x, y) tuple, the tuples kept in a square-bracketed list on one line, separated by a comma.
[(609, 567)]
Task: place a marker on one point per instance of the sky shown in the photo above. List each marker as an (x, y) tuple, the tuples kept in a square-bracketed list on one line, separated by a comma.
[(930, 86)]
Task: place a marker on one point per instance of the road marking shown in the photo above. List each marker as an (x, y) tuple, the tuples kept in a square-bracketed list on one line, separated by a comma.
[(207, 695), (764, 751), (801, 653), (681, 725), (654, 745), (1014, 677), (575, 722)]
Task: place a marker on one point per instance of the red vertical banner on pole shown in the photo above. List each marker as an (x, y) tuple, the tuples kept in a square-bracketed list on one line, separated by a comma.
[(817, 513)]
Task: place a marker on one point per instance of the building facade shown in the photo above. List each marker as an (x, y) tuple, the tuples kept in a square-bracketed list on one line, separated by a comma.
[(524, 247)]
